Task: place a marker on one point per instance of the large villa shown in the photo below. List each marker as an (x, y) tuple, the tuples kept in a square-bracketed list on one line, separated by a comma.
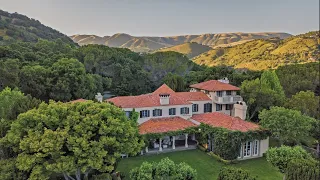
[(215, 103)]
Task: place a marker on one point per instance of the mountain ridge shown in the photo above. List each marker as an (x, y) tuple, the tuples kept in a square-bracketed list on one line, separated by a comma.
[(264, 53), (152, 43)]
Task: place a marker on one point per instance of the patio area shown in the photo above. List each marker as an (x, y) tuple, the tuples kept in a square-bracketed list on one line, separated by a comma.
[(170, 144)]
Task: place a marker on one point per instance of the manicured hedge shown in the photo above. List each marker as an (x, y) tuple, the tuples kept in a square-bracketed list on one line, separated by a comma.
[(231, 173)]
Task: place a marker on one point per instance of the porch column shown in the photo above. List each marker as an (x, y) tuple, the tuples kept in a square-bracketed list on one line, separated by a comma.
[(193, 137), (147, 149), (186, 143), (160, 144), (173, 142)]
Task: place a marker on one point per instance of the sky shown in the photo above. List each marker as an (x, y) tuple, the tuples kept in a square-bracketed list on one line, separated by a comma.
[(170, 17)]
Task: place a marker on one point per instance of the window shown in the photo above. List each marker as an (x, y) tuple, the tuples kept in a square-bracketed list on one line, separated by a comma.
[(195, 107), (218, 107), (157, 112), (207, 107), (229, 106), (247, 149), (144, 113), (228, 93), (219, 93), (184, 110), (128, 113), (172, 111), (255, 150)]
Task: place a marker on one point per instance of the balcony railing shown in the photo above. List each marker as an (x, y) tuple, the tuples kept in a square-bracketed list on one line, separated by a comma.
[(227, 99)]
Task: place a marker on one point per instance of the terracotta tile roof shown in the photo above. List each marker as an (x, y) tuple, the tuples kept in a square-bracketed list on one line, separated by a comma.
[(145, 100), (164, 89), (161, 125), (215, 85), (217, 119), (78, 100), (153, 99), (193, 96)]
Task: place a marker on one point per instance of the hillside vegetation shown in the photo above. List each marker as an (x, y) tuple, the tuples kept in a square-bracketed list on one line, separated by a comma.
[(149, 44), (16, 27), (264, 53), (189, 49)]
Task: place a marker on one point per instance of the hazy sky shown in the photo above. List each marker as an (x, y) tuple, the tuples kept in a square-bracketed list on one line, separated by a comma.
[(170, 17)]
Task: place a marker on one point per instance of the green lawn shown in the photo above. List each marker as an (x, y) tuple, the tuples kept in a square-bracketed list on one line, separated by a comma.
[(207, 167)]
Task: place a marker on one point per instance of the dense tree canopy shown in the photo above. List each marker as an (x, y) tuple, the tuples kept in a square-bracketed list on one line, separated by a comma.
[(287, 125), (299, 77), (175, 82), (72, 139), (12, 103), (306, 102)]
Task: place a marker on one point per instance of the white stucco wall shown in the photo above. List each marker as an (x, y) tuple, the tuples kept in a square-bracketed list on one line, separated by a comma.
[(264, 146), (165, 110), (200, 105)]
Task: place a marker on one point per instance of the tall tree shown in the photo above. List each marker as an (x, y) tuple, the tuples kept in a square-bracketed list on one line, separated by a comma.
[(262, 93), (288, 125), (72, 139), (69, 80)]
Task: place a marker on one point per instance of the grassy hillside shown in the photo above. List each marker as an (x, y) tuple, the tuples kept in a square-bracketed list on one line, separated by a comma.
[(150, 44), (16, 27), (264, 54), (189, 49)]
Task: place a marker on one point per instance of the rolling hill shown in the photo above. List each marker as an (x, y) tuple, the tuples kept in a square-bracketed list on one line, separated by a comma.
[(189, 49), (264, 53), (150, 44), (16, 27)]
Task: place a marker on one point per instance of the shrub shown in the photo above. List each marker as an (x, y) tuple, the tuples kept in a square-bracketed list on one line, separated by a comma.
[(165, 169), (301, 169), (231, 173), (280, 157)]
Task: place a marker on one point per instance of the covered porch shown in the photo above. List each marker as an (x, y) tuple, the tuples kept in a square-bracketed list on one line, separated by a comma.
[(171, 143), (167, 134)]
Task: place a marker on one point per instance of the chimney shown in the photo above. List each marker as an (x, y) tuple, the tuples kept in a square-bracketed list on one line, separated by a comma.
[(240, 109), (99, 97), (224, 80), (164, 99)]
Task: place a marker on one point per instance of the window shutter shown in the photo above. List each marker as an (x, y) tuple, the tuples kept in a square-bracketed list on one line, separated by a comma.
[(187, 110), (148, 113), (140, 114)]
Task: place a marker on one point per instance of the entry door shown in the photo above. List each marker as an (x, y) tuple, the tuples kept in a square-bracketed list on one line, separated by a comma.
[(247, 149)]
